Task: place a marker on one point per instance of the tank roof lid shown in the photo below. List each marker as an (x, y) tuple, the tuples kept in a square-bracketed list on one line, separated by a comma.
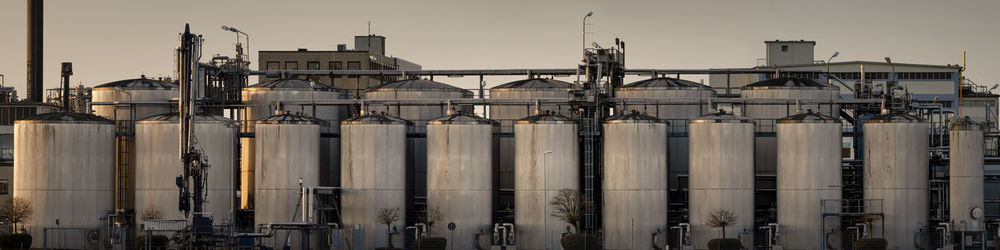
[(417, 85), (789, 82), (65, 117), (174, 116), (721, 117), (665, 82), (545, 117), (808, 117), (895, 117), (289, 118), (634, 117), (291, 83), (375, 119), (460, 118), (138, 83), (535, 83), (965, 123)]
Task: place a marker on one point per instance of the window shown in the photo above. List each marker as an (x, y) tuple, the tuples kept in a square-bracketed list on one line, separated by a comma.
[(337, 65), (354, 65), (290, 65), (312, 65), (4, 184), (273, 65), (784, 48)]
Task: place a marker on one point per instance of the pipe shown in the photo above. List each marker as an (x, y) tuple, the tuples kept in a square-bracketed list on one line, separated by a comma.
[(35, 49)]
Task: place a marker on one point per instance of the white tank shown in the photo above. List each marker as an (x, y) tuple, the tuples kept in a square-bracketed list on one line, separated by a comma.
[(670, 89), (260, 100), (808, 173), (546, 161), (287, 155), (460, 177), (896, 172), (158, 164), (634, 182), (374, 176), (760, 105), (507, 115), (64, 166), (966, 175), (136, 90), (722, 176)]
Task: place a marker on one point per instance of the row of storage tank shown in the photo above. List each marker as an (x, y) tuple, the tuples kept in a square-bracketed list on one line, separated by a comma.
[(455, 160)]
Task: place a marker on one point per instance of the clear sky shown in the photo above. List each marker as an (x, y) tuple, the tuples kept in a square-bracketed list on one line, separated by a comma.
[(113, 40)]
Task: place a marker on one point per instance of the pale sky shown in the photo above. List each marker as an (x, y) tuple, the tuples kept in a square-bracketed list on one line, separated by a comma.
[(114, 40)]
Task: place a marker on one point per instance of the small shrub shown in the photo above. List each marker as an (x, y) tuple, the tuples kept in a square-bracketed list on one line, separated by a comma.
[(155, 241), (432, 243), (580, 241), (15, 241), (871, 244), (725, 244)]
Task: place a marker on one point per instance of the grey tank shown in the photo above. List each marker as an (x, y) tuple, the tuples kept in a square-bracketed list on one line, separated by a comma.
[(64, 166), (808, 173), (966, 175), (805, 91), (670, 89), (138, 90), (287, 151), (722, 175), (374, 176), (634, 183), (260, 100), (158, 161), (459, 177), (896, 172), (507, 115), (546, 161)]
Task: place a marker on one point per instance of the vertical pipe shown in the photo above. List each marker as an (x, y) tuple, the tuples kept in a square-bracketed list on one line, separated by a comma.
[(34, 83)]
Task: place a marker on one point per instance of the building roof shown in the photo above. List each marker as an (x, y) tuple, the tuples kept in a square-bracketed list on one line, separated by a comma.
[(721, 117), (417, 85), (138, 83), (789, 82), (65, 117), (895, 117), (953, 67), (375, 119), (546, 117), (535, 83), (634, 117), (461, 118), (789, 41), (289, 118), (665, 82), (291, 83), (174, 116), (808, 117)]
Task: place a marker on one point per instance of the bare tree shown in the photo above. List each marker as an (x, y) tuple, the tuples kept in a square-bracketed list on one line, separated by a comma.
[(433, 216), (387, 216), (569, 206), (721, 218), (152, 213), (17, 210)]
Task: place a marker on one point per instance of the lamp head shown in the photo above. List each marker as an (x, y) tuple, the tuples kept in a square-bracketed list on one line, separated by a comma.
[(591, 13)]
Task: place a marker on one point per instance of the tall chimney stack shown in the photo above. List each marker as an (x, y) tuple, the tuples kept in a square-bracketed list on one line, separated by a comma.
[(35, 51)]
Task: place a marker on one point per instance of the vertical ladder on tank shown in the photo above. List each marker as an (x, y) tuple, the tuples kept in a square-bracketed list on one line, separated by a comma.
[(589, 131), (124, 167)]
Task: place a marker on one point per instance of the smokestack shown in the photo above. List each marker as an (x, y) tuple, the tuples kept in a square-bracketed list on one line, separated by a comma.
[(34, 51)]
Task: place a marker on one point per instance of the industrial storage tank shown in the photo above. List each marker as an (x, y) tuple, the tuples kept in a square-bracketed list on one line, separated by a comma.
[(809, 147), (695, 97), (260, 99), (634, 183), (287, 159), (507, 115), (966, 175), (374, 176), (722, 176), (136, 90), (460, 177), (896, 172), (64, 166), (546, 161), (158, 162), (769, 100)]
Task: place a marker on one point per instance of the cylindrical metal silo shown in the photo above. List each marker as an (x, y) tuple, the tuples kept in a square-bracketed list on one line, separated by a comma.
[(722, 176), (158, 161), (769, 100), (460, 177), (809, 147), (896, 174), (287, 160), (506, 115), (546, 161), (966, 175), (634, 183), (136, 90), (374, 176), (260, 99), (673, 90), (64, 166)]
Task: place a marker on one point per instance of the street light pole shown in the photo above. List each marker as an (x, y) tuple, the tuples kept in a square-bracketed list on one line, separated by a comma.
[(583, 44), (835, 54), (545, 189)]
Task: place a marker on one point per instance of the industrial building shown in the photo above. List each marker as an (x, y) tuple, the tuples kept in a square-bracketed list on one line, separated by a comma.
[(321, 156)]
